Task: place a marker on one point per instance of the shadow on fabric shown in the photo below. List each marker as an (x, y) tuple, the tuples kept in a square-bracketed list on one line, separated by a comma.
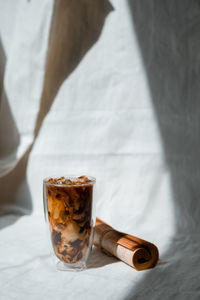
[(75, 27), (169, 41), (11, 173), (98, 259)]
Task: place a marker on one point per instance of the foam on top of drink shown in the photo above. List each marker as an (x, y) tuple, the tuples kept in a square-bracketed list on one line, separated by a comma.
[(70, 180)]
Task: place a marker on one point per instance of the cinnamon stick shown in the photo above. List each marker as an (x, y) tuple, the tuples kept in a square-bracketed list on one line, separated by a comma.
[(134, 251)]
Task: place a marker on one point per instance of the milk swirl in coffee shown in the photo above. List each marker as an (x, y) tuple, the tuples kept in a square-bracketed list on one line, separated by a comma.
[(69, 206)]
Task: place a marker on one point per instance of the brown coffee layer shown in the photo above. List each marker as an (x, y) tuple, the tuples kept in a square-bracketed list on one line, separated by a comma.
[(69, 207)]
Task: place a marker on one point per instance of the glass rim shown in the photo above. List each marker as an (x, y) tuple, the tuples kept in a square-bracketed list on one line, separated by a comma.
[(91, 178)]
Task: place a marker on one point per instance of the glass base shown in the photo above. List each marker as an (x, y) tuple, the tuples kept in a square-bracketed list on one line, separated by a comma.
[(73, 267)]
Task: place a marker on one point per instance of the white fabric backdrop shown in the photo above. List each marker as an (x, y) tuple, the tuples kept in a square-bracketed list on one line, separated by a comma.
[(122, 116)]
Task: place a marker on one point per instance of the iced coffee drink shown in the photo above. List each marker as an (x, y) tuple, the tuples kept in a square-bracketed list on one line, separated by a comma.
[(69, 203)]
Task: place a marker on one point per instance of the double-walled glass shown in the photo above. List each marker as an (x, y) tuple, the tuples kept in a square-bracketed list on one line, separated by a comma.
[(70, 215)]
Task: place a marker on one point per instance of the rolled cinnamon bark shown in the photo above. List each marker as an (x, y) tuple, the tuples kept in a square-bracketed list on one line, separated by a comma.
[(134, 251)]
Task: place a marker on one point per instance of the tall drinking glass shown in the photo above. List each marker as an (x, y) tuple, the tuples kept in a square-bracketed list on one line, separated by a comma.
[(70, 214)]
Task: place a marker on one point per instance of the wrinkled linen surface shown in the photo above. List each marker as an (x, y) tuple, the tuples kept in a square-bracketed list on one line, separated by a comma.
[(128, 114)]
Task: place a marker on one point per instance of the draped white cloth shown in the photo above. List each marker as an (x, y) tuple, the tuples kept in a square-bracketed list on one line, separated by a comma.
[(122, 115)]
